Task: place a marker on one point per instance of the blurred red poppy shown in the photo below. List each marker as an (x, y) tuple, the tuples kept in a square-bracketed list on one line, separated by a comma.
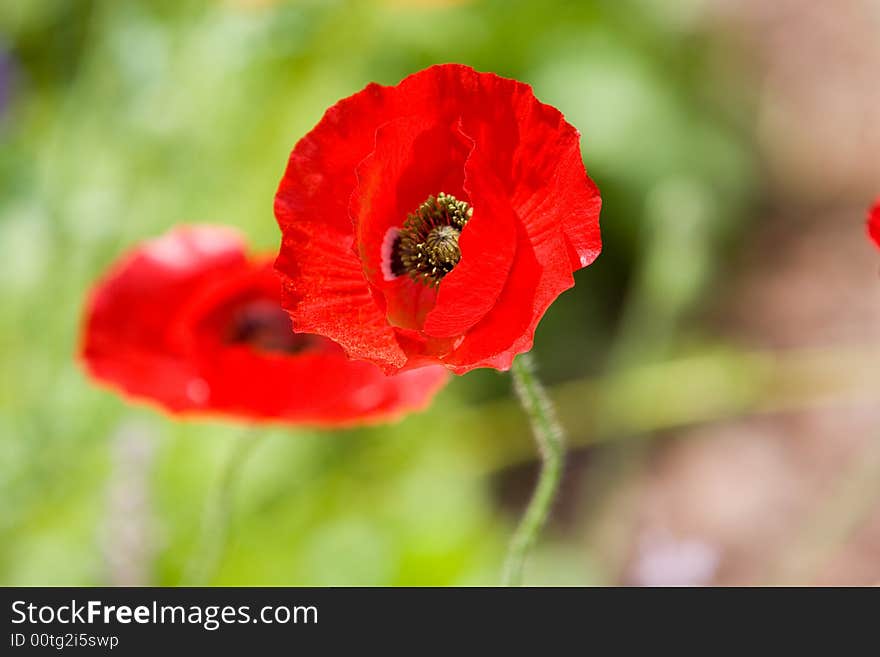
[(190, 322), (434, 221), (874, 223)]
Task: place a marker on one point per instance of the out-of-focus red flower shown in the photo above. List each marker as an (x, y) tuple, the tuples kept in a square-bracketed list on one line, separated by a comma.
[(190, 322), (434, 221), (874, 223)]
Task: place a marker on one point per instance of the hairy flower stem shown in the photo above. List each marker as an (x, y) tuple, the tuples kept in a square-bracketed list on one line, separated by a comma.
[(550, 439)]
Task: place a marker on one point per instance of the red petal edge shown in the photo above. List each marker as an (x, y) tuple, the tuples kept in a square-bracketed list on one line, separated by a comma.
[(874, 223)]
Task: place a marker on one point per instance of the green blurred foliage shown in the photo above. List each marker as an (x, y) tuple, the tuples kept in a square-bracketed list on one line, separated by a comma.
[(126, 118)]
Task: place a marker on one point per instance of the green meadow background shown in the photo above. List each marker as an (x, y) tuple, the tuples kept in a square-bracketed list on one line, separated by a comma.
[(121, 119)]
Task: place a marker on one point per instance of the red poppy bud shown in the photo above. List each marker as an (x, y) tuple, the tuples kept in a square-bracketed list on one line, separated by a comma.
[(434, 221), (190, 322)]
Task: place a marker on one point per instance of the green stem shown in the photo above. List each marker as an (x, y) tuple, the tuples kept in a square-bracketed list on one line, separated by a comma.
[(217, 515), (550, 440)]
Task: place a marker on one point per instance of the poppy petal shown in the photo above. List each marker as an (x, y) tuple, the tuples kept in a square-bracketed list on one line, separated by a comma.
[(874, 223), (488, 244), (326, 293), (410, 162), (541, 272), (159, 275)]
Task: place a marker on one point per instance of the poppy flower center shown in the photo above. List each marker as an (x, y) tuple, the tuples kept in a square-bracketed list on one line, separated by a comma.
[(265, 326), (427, 247)]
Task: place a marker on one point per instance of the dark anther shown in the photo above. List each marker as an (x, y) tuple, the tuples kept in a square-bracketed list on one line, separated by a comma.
[(427, 247)]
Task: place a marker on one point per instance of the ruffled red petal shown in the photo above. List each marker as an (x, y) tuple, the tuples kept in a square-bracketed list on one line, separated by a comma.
[(409, 162), (535, 218), (487, 245), (158, 328), (326, 293)]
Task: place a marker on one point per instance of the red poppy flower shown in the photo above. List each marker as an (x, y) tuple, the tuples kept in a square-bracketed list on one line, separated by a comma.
[(874, 223), (434, 221), (190, 322)]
